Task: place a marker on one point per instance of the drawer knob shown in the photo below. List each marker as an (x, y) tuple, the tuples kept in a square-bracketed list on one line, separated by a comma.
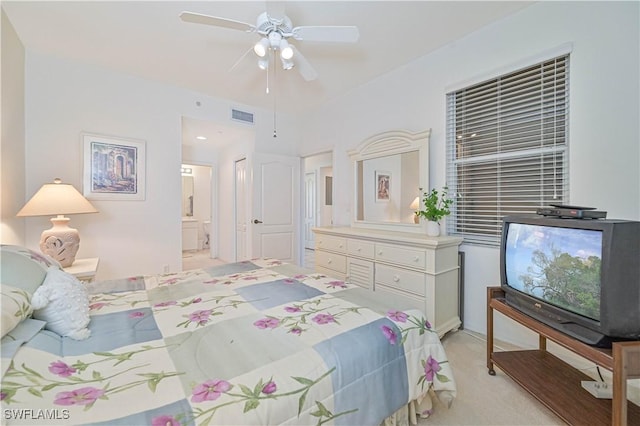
[(415, 259), (380, 253), (358, 249), (340, 246), (396, 278), (329, 261)]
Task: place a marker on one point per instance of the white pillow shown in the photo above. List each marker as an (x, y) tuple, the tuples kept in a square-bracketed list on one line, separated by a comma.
[(16, 306), (63, 302)]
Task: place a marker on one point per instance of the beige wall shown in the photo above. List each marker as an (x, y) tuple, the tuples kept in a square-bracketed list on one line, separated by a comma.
[(12, 143)]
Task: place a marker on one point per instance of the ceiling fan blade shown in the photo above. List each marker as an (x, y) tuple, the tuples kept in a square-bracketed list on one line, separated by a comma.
[(338, 34), (198, 18), (303, 66)]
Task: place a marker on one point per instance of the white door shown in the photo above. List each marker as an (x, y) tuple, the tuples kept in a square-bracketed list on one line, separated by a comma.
[(309, 209), (275, 207), (241, 217)]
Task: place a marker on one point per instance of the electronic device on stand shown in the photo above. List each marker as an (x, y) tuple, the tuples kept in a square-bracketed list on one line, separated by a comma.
[(574, 212)]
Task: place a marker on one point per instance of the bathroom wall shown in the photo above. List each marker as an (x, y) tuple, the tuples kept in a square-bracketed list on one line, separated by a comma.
[(202, 197)]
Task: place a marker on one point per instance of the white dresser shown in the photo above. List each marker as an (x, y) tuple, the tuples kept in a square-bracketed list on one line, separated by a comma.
[(413, 270)]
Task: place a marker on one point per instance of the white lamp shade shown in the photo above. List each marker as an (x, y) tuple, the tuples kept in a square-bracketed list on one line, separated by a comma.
[(260, 48), (286, 52), (415, 204), (55, 199), (287, 64)]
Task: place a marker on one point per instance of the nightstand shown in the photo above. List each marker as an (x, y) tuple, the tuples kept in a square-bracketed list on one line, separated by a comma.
[(84, 269)]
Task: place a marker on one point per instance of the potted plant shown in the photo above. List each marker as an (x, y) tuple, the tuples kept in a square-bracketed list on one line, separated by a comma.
[(436, 206)]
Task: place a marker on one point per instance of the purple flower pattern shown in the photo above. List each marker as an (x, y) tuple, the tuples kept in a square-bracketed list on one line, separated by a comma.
[(200, 317), (265, 323), (209, 390), (397, 316), (164, 420), (269, 388), (82, 396), (431, 367), (390, 334), (323, 319), (61, 369)]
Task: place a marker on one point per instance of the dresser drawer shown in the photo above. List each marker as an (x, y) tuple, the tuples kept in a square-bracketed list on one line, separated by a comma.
[(328, 242), (333, 261), (360, 248), (400, 255), (401, 279)]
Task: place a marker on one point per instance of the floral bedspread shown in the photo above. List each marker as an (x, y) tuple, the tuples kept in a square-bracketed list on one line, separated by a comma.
[(245, 343)]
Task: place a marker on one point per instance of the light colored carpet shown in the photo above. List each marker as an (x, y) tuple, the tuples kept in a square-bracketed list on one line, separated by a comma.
[(193, 259), (483, 399)]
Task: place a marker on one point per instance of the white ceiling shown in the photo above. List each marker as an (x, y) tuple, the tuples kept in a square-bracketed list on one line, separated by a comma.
[(147, 39)]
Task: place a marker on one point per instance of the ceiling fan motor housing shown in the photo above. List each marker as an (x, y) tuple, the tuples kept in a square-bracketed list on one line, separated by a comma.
[(266, 25)]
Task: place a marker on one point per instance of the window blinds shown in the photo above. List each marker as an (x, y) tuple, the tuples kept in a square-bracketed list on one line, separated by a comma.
[(507, 148)]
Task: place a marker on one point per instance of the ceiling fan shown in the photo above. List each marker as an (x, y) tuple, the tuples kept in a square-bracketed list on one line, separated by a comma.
[(275, 29)]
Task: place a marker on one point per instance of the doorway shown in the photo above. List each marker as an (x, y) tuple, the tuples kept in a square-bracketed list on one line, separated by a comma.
[(198, 231), (318, 200)]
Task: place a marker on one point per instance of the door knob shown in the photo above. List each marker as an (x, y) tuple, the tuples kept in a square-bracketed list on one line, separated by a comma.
[(256, 221)]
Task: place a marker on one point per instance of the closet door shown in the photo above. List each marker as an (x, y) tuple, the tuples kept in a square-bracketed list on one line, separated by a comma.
[(275, 223)]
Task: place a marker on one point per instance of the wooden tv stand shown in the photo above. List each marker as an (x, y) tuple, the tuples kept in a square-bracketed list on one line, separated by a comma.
[(555, 383)]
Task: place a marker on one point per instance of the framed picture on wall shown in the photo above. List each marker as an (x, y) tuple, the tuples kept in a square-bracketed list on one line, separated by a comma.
[(114, 168), (383, 186)]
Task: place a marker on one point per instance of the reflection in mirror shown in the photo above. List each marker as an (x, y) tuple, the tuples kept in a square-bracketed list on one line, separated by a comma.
[(187, 195), (388, 187), (390, 169)]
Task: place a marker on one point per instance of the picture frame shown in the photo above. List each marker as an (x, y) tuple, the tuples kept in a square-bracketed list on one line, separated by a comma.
[(383, 186), (114, 168)]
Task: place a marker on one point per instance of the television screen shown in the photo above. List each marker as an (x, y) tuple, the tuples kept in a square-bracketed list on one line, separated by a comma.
[(558, 265)]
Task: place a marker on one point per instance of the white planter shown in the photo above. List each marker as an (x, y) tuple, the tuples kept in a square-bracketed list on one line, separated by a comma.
[(433, 228)]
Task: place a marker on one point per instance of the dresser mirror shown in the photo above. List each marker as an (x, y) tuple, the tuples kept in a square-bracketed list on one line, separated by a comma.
[(388, 171)]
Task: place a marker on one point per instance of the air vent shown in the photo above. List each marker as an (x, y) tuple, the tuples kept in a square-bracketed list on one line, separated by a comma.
[(243, 116)]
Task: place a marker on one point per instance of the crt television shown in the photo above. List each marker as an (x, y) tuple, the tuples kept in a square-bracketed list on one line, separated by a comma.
[(578, 276)]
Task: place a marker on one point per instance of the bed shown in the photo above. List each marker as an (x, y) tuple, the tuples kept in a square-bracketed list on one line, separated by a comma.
[(255, 342)]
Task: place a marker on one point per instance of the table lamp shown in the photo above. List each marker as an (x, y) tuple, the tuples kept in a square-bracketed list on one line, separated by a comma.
[(60, 241), (415, 204)]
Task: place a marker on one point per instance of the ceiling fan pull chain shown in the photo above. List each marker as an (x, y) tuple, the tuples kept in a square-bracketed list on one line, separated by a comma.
[(275, 92), (268, 66)]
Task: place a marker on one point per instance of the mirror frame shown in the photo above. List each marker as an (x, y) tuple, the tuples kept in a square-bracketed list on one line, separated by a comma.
[(387, 144)]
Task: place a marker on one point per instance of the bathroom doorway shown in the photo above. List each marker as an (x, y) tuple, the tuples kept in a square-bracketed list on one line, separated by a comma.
[(198, 239)]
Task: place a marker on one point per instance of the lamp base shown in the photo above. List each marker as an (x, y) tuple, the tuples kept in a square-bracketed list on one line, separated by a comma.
[(60, 241)]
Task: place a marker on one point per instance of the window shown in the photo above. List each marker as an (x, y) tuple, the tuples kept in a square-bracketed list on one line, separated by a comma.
[(507, 148)]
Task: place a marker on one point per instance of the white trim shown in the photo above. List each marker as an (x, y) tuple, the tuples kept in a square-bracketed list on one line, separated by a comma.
[(563, 49)]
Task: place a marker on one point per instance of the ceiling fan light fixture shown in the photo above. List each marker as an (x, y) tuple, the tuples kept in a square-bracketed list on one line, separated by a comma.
[(286, 51), (287, 64), (261, 47), (263, 63)]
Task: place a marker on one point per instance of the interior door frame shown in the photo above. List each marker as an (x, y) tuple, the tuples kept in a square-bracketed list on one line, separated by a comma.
[(314, 202), (247, 202), (303, 172), (213, 182)]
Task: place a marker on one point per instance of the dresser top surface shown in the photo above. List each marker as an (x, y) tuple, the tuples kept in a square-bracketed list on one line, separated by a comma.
[(389, 236)]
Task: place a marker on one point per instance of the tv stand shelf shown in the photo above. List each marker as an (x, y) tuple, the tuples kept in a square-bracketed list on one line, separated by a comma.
[(555, 383)]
